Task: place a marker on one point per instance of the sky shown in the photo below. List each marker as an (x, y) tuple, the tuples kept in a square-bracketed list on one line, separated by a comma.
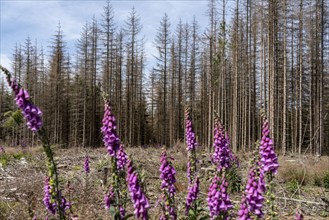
[(39, 20)]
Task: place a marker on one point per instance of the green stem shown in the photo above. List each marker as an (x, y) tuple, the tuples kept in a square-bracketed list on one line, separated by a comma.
[(115, 177), (42, 135), (271, 197), (53, 168)]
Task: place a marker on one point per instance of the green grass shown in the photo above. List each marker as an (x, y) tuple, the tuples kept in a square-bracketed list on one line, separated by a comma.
[(7, 158)]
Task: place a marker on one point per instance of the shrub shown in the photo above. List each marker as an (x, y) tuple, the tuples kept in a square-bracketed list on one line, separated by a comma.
[(317, 180), (235, 179), (293, 186), (326, 180)]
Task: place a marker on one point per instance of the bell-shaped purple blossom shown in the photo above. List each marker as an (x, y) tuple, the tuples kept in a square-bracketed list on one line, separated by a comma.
[(136, 193), (108, 198), (269, 160), (121, 157), (189, 132), (47, 199), (192, 194), (255, 190), (299, 215), (31, 113), (222, 155), (122, 212), (167, 175), (109, 131), (218, 200), (65, 204), (243, 213), (86, 165)]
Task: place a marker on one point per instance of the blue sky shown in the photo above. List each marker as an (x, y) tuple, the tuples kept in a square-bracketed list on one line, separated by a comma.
[(39, 20)]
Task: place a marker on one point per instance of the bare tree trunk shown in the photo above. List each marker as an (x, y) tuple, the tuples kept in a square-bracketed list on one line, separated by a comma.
[(285, 95), (300, 39), (236, 81)]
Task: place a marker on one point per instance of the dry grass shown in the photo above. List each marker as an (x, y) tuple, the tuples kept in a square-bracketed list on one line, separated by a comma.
[(306, 171), (21, 182)]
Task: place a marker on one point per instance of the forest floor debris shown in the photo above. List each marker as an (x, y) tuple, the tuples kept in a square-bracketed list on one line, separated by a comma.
[(299, 182)]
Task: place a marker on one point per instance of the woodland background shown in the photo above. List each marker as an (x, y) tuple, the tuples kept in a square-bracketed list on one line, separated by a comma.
[(271, 55)]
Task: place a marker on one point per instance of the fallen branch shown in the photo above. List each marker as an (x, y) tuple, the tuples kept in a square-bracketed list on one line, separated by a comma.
[(302, 201)]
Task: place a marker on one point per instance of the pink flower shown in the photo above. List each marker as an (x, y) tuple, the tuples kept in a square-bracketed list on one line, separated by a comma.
[(269, 160), (137, 195)]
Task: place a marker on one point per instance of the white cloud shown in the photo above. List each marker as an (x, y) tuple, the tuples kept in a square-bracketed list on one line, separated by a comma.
[(39, 20)]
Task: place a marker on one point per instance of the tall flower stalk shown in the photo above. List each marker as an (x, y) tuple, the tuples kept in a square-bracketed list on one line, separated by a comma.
[(192, 196), (221, 155), (33, 116), (255, 190), (191, 147), (243, 213), (140, 201), (269, 160), (167, 175), (269, 166), (218, 200), (253, 198), (193, 180), (86, 165), (118, 161)]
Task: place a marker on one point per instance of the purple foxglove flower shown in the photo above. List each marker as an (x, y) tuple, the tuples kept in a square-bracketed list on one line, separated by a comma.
[(299, 215), (192, 195), (86, 165), (121, 157), (255, 190), (31, 113), (108, 198), (109, 131), (47, 200), (222, 156), (269, 160), (167, 175), (218, 200), (136, 193), (189, 132), (66, 205), (243, 213), (2, 149), (122, 212)]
